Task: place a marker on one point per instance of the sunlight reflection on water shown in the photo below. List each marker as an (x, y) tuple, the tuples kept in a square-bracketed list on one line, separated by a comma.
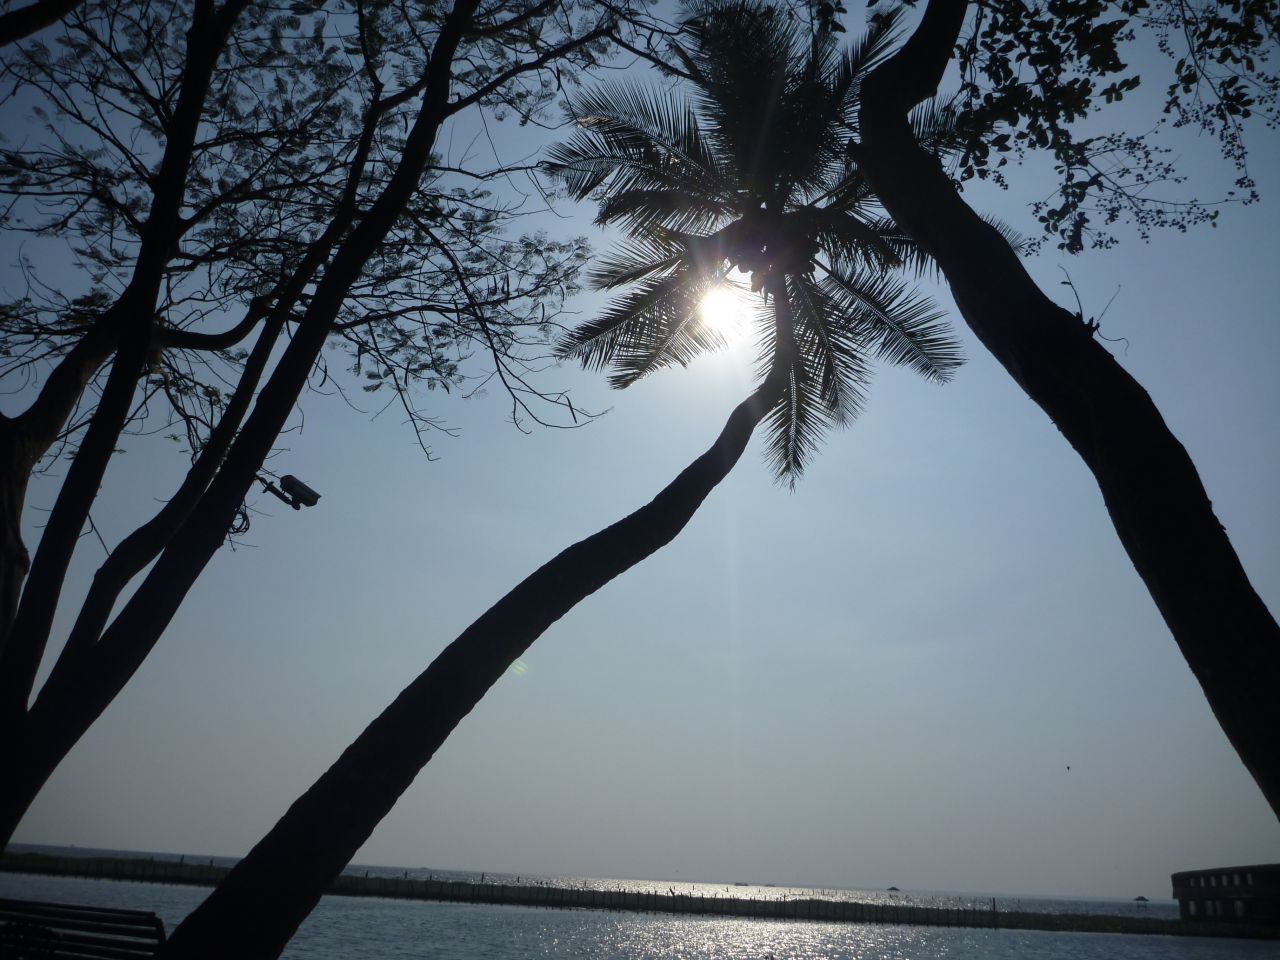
[(614, 937), (345, 927)]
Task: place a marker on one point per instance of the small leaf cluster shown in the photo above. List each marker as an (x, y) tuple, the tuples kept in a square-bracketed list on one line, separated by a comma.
[(1032, 73)]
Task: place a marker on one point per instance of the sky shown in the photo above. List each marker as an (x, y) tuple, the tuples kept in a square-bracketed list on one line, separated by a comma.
[(879, 678)]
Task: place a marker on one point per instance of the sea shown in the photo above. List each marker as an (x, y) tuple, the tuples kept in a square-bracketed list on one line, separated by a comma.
[(348, 928)]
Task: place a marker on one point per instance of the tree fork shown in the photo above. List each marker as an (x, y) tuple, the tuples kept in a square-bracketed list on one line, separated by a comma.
[(25, 439), (30, 627), (127, 326), (1152, 491), (142, 546), (75, 696)]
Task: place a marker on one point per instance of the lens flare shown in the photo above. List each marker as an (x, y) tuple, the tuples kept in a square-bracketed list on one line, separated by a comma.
[(722, 310)]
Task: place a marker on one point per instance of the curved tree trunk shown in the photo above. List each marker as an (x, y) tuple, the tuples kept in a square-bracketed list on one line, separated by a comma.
[(87, 678), (126, 328), (258, 907), (14, 559), (21, 23), (31, 746), (1152, 491)]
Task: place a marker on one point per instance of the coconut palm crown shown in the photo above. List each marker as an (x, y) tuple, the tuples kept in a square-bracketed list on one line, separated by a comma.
[(749, 173)]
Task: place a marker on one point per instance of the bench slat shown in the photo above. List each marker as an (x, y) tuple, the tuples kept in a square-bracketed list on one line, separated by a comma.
[(130, 928), (48, 906), (74, 932), (75, 947)]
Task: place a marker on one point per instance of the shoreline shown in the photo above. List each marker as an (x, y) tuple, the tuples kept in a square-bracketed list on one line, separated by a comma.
[(814, 909)]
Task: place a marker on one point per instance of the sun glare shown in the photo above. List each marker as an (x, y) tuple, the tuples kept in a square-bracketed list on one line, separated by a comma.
[(722, 310)]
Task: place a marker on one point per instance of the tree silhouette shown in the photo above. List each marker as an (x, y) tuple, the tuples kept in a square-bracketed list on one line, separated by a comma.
[(1151, 488), (751, 177), (232, 173), (783, 207)]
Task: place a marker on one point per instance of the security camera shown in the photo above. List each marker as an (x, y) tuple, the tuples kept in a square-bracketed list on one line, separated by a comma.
[(301, 494)]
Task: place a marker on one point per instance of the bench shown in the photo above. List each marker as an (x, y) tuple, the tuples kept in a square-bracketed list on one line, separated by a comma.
[(36, 931)]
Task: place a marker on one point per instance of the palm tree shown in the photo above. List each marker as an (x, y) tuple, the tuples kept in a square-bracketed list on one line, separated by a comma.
[(752, 176), (779, 212)]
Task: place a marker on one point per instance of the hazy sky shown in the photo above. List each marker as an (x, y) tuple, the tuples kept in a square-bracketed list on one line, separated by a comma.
[(878, 679)]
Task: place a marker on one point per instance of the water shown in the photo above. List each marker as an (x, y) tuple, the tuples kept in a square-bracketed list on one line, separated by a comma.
[(348, 927), (1158, 909)]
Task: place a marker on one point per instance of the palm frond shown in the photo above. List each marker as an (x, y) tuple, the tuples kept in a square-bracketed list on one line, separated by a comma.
[(911, 256), (861, 57), (901, 326), (794, 426), (1012, 237), (806, 148), (825, 378), (636, 138), (595, 343), (634, 260), (837, 351), (742, 53), (654, 326), (641, 210), (851, 239), (659, 249), (867, 51), (849, 192), (933, 124)]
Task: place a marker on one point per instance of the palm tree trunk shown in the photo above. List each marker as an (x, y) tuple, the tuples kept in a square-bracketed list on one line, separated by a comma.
[(1151, 488), (258, 907)]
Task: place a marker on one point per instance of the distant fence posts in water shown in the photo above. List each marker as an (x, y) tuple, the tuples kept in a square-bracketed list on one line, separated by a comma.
[(554, 897)]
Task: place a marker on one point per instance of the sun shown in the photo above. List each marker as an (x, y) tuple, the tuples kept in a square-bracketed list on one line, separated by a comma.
[(722, 310)]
